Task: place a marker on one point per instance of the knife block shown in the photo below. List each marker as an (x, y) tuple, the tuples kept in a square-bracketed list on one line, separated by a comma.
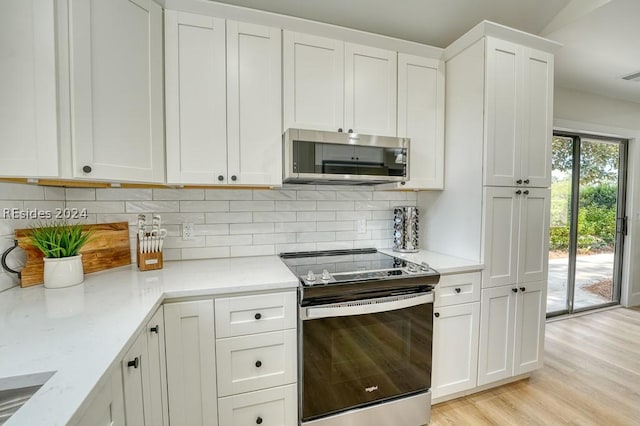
[(148, 261)]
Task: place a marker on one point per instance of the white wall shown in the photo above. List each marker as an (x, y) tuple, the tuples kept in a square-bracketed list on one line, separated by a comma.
[(584, 112), (228, 223)]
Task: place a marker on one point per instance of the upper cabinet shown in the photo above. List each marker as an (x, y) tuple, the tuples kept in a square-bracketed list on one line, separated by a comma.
[(223, 91), (337, 86), (28, 117), (116, 87), (519, 100)]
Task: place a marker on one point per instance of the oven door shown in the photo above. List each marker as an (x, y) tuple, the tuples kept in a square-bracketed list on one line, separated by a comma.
[(364, 352)]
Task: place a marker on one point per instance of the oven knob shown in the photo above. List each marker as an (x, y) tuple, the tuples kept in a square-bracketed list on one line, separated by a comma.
[(326, 276), (424, 266), (413, 267), (311, 277)]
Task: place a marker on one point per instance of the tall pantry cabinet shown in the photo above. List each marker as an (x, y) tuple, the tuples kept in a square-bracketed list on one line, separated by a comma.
[(498, 127)]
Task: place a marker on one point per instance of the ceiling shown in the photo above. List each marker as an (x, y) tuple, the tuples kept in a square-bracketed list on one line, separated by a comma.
[(600, 37)]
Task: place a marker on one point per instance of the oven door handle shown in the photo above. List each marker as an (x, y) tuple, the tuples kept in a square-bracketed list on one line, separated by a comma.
[(362, 307)]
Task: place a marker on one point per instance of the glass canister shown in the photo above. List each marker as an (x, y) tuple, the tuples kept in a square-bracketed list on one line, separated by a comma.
[(405, 229)]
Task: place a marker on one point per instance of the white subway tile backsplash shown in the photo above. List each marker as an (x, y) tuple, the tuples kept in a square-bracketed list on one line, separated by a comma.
[(171, 254), (80, 194), (130, 218), (315, 216), (353, 195), (178, 242), (412, 196), (227, 194), (204, 206), (379, 224), (251, 228), (211, 229), (153, 206), (244, 251), (295, 226), (335, 205), (229, 240), (178, 194), (252, 206), (284, 248), (204, 253), (390, 195), (125, 194), (316, 195), (295, 205), (354, 215), (274, 216), (353, 235), (179, 218), (235, 217), (7, 280), (347, 225), (382, 214), (54, 193), (279, 238), (381, 234), (335, 245), (96, 207), (371, 205), (259, 194), (16, 191), (313, 237)]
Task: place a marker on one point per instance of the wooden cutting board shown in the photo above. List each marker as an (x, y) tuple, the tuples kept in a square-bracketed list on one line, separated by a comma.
[(107, 248)]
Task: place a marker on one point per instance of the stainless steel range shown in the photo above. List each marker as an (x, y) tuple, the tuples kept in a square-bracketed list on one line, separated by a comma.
[(366, 322)]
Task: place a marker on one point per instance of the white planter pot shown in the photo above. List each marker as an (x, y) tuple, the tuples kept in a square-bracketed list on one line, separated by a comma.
[(63, 272)]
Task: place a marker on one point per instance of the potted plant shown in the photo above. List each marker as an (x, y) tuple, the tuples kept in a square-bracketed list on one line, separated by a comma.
[(60, 244)]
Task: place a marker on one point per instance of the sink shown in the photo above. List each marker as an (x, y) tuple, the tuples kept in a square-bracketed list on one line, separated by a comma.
[(16, 391)]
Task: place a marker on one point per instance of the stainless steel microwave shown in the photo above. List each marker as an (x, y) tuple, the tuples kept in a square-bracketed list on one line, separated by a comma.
[(337, 158)]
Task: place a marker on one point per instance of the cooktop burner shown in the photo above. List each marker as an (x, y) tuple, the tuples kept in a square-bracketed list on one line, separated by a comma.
[(316, 268)]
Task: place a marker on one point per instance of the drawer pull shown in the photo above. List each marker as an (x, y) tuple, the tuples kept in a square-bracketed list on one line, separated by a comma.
[(154, 329), (258, 364), (515, 290), (437, 314), (258, 316), (458, 289), (135, 363), (259, 421), (523, 289)]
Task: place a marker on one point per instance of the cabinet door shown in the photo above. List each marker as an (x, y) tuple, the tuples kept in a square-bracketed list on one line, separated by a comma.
[(28, 119), (191, 374), (117, 90), (502, 213), (538, 117), (533, 251), (135, 379), (455, 349), (370, 90), (421, 118), (529, 327), (270, 407), (196, 98), (456, 289), (495, 357), (254, 110), (313, 82), (156, 364), (106, 406), (503, 113)]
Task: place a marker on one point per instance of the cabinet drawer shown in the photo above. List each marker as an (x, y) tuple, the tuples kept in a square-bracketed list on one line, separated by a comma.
[(237, 316), (458, 288), (249, 363), (271, 407)]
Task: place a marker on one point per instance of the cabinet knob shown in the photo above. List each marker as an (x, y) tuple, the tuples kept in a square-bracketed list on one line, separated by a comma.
[(523, 289), (234, 178), (526, 181), (350, 130), (526, 192), (515, 290), (340, 129), (259, 421), (87, 169), (135, 363), (155, 329), (458, 289), (220, 178), (436, 314), (258, 316), (258, 364), (518, 192)]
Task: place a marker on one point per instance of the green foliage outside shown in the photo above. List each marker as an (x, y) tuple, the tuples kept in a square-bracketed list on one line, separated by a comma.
[(597, 199)]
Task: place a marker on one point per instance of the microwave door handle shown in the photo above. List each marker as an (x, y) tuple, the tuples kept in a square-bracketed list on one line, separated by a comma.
[(370, 306)]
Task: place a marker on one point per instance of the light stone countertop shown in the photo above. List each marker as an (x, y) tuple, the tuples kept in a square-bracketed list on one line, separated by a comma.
[(78, 333), (81, 331)]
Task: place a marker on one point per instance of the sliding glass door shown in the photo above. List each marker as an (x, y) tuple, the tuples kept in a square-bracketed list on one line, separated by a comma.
[(588, 222)]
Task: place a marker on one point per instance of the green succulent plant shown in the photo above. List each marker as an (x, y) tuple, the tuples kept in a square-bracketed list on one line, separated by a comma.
[(56, 240)]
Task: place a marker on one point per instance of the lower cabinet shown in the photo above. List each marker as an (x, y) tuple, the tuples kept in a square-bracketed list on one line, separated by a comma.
[(269, 407), (106, 405), (511, 331)]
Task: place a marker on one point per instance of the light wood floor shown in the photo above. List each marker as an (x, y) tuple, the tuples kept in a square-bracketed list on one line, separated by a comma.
[(591, 377)]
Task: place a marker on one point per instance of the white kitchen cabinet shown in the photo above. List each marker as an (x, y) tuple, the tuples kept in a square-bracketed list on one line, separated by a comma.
[(116, 86), (191, 363), (337, 86), (106, 404), (196, 99), (455, 349), (516, 241), (272, 407), (519, 100), (511, 331), (223, 101), (28, 115), (456, 289), (135, 379), (421, 118), (157, 365)]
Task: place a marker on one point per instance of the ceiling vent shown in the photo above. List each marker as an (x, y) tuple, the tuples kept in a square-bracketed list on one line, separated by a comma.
[(632, 77)]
